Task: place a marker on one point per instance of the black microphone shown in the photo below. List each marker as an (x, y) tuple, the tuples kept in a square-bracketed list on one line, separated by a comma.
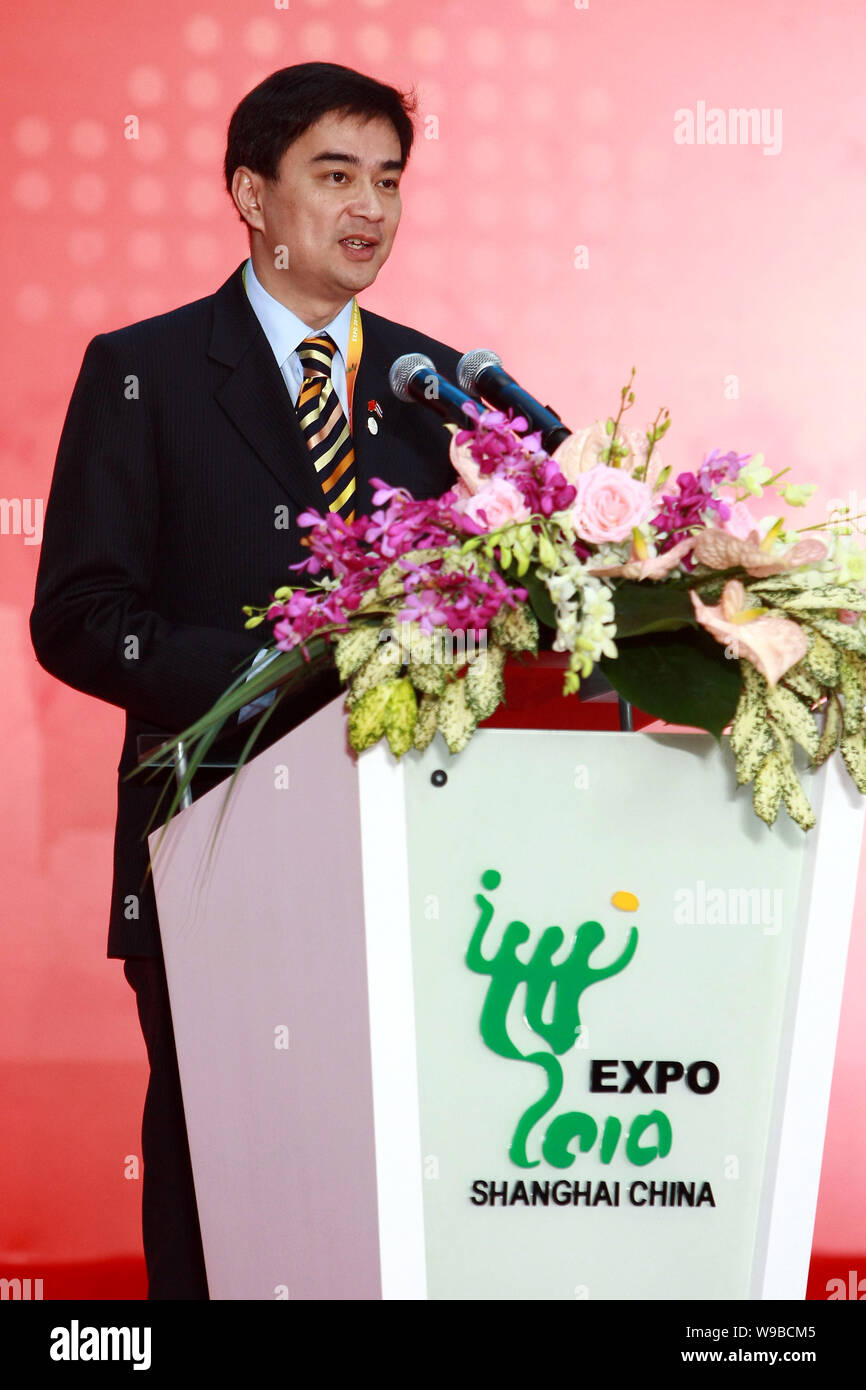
[(481, 372), (414, 377)]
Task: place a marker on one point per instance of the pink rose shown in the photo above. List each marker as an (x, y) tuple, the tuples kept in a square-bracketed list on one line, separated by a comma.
[(609, 503), (499, 501)]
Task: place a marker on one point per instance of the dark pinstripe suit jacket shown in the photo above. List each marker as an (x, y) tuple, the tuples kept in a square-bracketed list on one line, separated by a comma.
[(180, 448)]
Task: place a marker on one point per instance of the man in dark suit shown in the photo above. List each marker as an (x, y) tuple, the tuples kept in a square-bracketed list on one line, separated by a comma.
[(182, 466)]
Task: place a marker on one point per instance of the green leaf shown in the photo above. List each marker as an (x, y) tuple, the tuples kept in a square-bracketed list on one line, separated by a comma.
[(681, 677), (539, 598), (649, 607), (401, 715), (547, 556), (367, 716)]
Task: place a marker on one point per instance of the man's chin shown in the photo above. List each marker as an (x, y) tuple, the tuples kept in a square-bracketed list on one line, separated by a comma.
[(359, 275), (358, 282)]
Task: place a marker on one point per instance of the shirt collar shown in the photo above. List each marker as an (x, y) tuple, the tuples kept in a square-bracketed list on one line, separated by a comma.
[(284, 330)]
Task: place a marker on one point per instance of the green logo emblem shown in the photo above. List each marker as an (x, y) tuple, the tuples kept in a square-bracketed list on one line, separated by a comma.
[(567, 981)]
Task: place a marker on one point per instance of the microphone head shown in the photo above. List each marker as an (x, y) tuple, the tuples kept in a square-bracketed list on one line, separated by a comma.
[(472, 364), (404, 369)]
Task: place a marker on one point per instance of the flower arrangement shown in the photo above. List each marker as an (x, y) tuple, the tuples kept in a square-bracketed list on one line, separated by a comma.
[(695, 609)]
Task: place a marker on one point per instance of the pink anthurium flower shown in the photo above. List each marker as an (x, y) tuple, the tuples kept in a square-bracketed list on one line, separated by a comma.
[(719, 550), (641, 565), (771, 643)]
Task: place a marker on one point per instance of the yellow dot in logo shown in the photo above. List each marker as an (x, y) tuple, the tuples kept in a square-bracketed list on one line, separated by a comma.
[(626, 902)]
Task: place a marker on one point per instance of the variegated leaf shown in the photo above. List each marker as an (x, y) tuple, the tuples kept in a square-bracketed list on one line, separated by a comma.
[(847, 639), (393, 579), (767, 792), (516, 629), (427, 722), (753, 752), (367, 716), (750, 715), (786, 582), (833, 596), (830, 732), (383, 665), (796, 800), (784, 745), (796, 719), (851, 677), (353, 649), (401, 715), (485, 687), (428, 677), (853, 748), (418, 645), (456, 721), (753, 681), (805, 684), (822, 660)]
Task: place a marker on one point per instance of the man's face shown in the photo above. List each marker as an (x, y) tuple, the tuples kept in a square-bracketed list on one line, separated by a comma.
[(335, 205)]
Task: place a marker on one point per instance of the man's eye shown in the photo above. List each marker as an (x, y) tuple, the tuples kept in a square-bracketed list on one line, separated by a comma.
[(390, 184), (337, 174)]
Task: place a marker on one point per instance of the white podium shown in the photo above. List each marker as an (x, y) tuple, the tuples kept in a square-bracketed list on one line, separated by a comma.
[(552, 1019)]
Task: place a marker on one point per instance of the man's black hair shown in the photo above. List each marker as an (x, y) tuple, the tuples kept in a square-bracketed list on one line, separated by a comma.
[(277, 112)]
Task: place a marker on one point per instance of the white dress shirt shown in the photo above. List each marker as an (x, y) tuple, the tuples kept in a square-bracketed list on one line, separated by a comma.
[(285, 332)]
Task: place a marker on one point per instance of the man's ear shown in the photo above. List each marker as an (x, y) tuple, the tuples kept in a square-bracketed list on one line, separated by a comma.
[(246, 187)]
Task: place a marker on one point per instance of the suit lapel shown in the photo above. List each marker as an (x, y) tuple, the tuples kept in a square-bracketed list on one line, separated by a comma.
[(373, 449), (255, 398), (407, 442)]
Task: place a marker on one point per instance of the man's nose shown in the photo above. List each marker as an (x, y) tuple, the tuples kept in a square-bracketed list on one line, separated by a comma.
[(369, 204)]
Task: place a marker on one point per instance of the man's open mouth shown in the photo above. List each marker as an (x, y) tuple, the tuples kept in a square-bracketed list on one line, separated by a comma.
[(358, 242)]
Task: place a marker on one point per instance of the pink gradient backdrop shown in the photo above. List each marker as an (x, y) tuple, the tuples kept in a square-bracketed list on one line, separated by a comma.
[(552, 128)]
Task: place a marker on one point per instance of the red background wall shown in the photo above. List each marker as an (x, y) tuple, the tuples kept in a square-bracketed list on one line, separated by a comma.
[(544, 127)]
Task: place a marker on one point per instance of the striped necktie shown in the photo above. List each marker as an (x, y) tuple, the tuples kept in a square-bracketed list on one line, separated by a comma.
[(324, 426)]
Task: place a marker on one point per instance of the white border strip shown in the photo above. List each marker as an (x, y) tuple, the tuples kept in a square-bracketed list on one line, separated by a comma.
[(818, 1004), (391, 994)]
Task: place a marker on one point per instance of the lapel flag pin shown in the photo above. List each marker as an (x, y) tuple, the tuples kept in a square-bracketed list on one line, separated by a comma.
[(372, 423)]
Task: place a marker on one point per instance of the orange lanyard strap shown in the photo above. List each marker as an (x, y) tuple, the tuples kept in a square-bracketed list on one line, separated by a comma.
[(356, 344)]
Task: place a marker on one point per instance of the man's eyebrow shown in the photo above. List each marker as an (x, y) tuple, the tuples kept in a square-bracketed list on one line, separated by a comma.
[(340, 157)]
